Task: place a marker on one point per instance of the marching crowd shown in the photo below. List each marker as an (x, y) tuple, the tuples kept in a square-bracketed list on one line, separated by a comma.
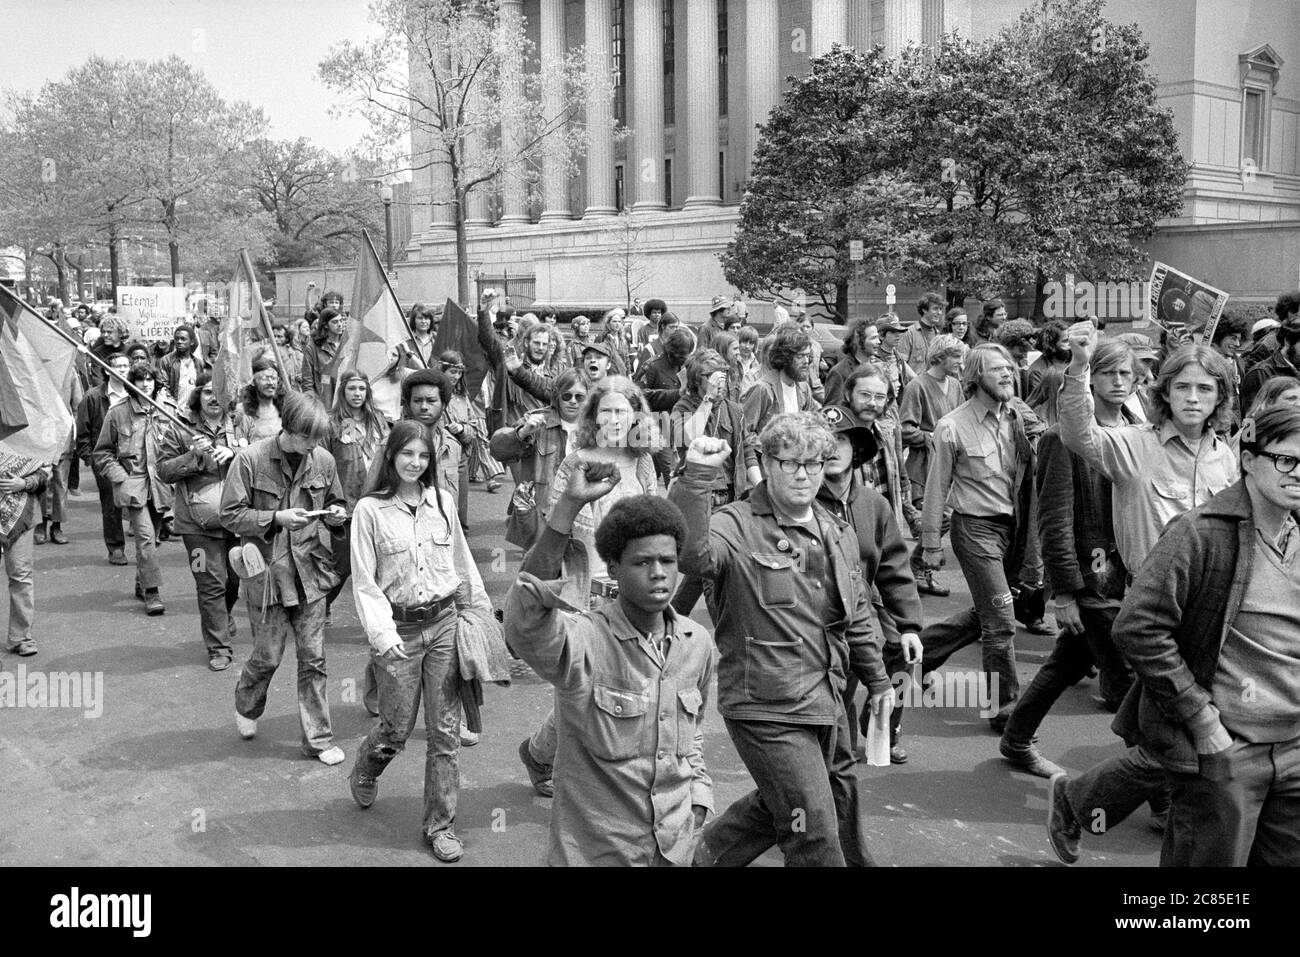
[(1147, 489)]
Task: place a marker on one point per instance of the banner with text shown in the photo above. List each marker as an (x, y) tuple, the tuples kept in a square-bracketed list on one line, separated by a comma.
[(152, 312)]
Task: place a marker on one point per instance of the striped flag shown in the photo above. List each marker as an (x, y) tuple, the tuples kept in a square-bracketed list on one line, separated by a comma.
[(376, 329), (232, 369), (34, 418)]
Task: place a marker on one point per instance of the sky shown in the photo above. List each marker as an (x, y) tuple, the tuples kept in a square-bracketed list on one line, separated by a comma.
[(262, 51)]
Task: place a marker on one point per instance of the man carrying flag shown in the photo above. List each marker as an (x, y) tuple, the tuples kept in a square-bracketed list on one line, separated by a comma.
[(35, 427)]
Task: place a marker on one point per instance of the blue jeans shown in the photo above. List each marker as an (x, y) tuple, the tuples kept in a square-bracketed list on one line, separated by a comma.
[(1109, 792), (808, 799), (982, 546), (307, 624), (19, 564), (1070, 661), (144, 523), (217, 587), (1242, 809), (433, 672)]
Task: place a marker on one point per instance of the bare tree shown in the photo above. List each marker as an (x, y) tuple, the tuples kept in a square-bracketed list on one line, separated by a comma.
[(627, 263), (461, 77)]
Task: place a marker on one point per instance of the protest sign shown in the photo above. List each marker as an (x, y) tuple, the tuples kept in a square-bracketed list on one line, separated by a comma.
[(151, 312), (1184, 306)]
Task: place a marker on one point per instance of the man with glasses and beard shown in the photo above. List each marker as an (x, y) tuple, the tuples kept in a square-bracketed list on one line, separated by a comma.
[(793, 618), (983, 467)]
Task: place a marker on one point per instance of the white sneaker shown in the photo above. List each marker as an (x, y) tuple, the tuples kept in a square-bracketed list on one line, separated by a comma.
[(247, 726), (468, 738), (332, 756)]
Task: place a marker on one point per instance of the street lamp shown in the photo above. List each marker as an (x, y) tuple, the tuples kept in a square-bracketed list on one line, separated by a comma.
[(386, 194)]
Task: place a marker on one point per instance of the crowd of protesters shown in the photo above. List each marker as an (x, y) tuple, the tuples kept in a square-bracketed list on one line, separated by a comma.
[(1147, 489)]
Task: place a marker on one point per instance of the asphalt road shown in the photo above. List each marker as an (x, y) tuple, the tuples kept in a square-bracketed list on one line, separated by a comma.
[(161, 777)]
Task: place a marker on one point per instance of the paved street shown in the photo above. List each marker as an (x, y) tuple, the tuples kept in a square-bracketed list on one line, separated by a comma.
[(162, 778)]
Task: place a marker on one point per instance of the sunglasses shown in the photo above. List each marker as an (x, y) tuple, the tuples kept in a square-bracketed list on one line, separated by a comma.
[(572, 396)]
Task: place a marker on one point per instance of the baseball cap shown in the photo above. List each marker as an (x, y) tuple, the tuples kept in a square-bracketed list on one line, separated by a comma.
[(721, 302), (889, 323), (1263, 326), (842, 421), (601, 347), (1139, 343)]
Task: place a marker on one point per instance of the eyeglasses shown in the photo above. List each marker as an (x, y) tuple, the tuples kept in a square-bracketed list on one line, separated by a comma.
[(572, 396), (792, 466), (875, 396), (1286, 464)]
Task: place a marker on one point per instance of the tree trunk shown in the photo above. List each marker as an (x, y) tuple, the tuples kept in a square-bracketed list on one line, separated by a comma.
[(1040, 295), (174, 250), (113, 263), (462, 258), (842, 300), (61, 269)]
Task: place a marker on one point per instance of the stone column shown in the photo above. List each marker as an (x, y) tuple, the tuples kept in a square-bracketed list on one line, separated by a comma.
[(600, 113), (514, 193), (829, 25), (555, 178), (859, 26), (647, 78), (762, 69), (702, 103), (902, 25)]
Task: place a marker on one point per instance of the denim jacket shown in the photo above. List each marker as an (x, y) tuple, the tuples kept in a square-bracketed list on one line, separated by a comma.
[(778, 662)]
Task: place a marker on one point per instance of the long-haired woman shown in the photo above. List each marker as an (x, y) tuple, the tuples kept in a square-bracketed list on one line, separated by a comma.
[(411, 572), (357, 433), (463, 417)]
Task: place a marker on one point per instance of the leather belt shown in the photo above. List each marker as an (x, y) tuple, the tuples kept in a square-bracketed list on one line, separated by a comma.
[(416, 614)]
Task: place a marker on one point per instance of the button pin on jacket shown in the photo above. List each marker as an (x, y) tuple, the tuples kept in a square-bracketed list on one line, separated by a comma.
[(783, 545)]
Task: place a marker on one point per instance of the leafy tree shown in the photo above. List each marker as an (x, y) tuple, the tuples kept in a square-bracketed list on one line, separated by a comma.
[(189, 166), (1042, 150), (802, 205), (460, 75), (318, 203)]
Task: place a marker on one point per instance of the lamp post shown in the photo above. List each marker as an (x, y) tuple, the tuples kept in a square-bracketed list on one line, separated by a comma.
[(386, 194)]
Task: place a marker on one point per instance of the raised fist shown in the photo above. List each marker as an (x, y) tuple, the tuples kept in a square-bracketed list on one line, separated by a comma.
[(708, 451)]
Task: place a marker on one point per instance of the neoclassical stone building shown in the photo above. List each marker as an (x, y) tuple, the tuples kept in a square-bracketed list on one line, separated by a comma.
[(695, 77)]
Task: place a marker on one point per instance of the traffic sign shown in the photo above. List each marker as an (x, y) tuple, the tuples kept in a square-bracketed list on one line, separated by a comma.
[(855, 250), (890, 295)]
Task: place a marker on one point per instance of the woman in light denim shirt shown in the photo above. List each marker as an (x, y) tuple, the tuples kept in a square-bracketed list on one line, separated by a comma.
[(411, 571)]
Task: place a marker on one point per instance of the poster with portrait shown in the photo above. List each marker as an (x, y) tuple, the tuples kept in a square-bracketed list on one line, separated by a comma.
[(1184, 307)]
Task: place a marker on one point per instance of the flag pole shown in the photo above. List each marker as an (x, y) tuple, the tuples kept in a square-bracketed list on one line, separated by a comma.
[(85, 350), (365, 234), (255, 294)]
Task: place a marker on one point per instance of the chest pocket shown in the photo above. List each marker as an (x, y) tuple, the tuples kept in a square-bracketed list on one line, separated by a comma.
[(688, 719), (776, 573), (268, 494), (1172, 494), (617, 723), (982, 458), (315, 488)]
